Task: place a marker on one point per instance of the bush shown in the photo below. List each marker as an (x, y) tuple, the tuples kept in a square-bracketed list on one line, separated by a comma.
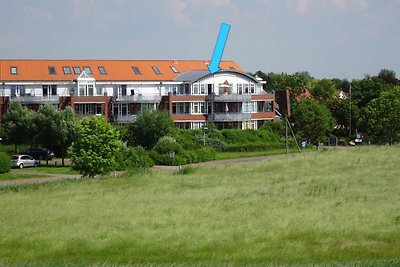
[(5, 163), (134, 159)]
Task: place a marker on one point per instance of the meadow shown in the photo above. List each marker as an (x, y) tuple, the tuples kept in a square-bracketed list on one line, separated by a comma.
[(329, 208)]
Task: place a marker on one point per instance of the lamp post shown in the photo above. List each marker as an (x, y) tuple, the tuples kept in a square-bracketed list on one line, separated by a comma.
[(204, 135), (350, 111)]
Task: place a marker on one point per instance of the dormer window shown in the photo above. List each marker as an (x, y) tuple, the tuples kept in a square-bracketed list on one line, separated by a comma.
[(13, 70), (67, 70), (102, 70), (77, 70), (136, 70), (156, 70), (174, 69), (52, 70), (88, 70)]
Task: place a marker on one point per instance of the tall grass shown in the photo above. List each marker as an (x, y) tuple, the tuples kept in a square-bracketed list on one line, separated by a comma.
[(320, 208)]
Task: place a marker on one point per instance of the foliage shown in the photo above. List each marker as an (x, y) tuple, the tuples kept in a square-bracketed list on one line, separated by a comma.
[(169, 152), (323, 89), (133, 159), (340, 110), (388, 76), (367, 89), (5, 163), (382, 117), (148, 128), (94, 148), (55, 128), (313, 120), (17, 125)]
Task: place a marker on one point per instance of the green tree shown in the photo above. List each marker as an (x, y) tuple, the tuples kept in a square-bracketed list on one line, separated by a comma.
[(323, 89), (18, 126), (55, 128), (313, 120), (389, 76), (148, 128), (340, 110), (367, 89), (382, 117), (95, 147)]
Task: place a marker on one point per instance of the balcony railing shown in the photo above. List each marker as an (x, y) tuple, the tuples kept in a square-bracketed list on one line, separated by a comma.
[(229, 116), (138, 98), (36, 99), (230, 98), (124, 118)]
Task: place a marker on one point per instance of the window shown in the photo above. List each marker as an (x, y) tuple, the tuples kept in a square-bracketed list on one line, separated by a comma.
[(136, 71), (148, 106), (199, 108), (195, 90), (102, 70), (174, 69), (88, 70), (77, 70), (180, 107), (86, 89), (52, 70), (48, 90), (249, 107), (67, 70), (89, 109), (13, 70), (156, 70), (198, 124), (231, 68), (99, 91)]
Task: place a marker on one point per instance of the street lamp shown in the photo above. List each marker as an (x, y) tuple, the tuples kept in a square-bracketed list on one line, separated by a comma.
[(204, 135)]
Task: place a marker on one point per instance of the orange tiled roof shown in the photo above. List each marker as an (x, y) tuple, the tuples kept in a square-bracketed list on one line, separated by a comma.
[(117, 70)]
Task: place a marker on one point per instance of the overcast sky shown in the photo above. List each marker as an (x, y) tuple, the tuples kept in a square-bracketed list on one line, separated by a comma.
[(328, 38)]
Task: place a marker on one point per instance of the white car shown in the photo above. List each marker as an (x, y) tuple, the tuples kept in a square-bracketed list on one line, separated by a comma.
[(22, 161)]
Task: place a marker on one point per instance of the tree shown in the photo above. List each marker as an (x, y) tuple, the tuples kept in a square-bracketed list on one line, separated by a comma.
[(148, 128), (95, 146), (18, 126), (367, 89), (382, 117), (312, 120), (323, 89), (340, 110), (388, 76), (55, 128)]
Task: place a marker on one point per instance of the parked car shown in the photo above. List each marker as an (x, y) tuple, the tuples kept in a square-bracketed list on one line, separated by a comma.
[(22, 161), (40, 153)]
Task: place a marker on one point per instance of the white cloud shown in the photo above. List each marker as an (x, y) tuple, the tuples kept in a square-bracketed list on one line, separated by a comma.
[(300, 6), (38, 13), (179, 12)]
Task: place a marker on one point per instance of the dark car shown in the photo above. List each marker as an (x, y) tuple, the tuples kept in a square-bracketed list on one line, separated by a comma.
[(40, 153)]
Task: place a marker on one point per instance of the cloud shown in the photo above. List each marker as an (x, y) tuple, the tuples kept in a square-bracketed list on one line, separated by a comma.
[(179, 12), (305, 7), (38, 13)]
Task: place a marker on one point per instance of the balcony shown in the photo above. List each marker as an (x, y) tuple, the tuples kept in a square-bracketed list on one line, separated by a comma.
[(138, 98), (124, 118), (36, 99), (229, 116), (230, 98)]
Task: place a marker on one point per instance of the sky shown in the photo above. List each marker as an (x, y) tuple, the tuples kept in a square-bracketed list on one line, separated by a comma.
[(345, 39)]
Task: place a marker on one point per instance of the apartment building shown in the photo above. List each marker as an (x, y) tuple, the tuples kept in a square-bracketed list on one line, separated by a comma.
[(121, 89)]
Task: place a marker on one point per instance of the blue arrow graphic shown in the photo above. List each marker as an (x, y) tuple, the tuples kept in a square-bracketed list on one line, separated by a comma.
[(219, 48)]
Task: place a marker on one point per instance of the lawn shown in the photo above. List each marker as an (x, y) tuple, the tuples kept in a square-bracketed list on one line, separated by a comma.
[(329, 208), (13, 176), (55, 170), (249, 154)]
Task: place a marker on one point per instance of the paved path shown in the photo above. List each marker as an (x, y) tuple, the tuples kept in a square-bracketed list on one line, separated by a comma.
[(56, 177)]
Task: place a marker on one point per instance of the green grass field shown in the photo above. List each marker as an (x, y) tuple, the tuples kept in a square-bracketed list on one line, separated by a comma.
[(336, 207), (13, 176)]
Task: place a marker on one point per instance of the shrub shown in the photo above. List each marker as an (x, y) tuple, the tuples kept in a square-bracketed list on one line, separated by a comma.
[(5, 163), (134, 159)]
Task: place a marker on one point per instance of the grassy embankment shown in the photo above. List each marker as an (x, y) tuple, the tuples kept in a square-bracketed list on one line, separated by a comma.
[(329, 207)]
